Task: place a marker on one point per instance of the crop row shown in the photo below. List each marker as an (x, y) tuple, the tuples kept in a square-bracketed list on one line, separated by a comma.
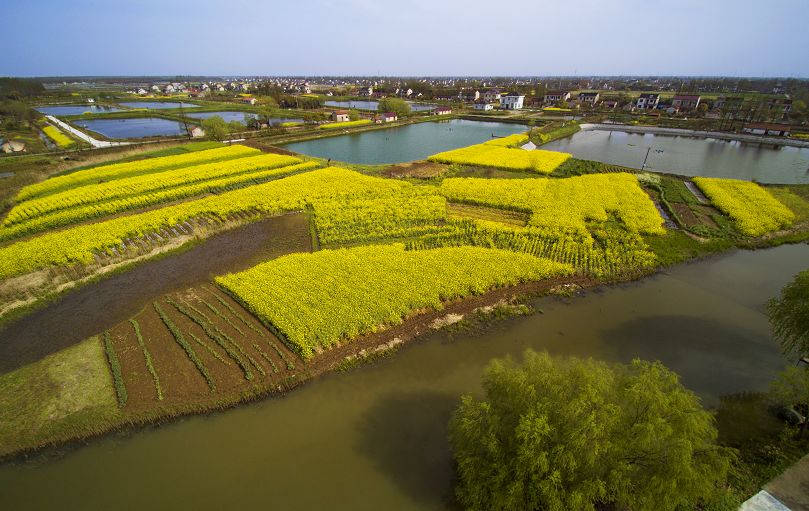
[(111, 207), (321, 299), (133, 168), (753, 209), (608, 252), (142, 185), (78, 244)]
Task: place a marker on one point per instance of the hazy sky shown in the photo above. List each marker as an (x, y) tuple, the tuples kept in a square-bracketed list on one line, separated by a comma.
[(404, 37)]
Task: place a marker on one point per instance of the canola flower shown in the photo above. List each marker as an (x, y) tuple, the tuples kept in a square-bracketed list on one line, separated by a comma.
[(133, 168), (347, 124), (79, 244), (61, 140), (319, 300), (492, 154), (753, 209)]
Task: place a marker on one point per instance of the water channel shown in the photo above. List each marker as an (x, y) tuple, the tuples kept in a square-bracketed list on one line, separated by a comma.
[(375, 438)]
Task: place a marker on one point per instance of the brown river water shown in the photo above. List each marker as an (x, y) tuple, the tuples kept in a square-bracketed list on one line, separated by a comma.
[(375, 437)]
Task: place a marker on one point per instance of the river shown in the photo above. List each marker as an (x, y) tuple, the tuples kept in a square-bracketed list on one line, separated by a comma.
[(690, 156), (375, 438)]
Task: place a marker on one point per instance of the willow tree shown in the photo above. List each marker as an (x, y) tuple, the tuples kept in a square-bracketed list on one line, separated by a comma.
[(789, 316), (559, 434)]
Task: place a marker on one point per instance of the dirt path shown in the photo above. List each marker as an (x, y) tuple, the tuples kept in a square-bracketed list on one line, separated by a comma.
[(89, 310), (792, 487)]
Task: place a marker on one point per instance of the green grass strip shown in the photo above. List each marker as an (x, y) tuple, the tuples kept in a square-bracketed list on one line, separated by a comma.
[(222, 316), (266, 357), (236, 313), (207, 346), (148, 357), (115, 367), (248, 374), (178, 336)]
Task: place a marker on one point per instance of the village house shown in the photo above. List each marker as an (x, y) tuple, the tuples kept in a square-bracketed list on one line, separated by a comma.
[(169, 89), (765, 128), (682, 102), (589, 98), (492, 96), (728, 103), (442, 110), (482, 105), (340, 115), (248, 100), (780, 106), (469, 96), (556, 96), (512, 101), (389, 117), (142, 92), (196, 132), (647, 101), (609, 103)]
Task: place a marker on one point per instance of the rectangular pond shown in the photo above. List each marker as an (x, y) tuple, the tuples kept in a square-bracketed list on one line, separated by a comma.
[(404, 143), (60, 110), (374, 105), (234, 115), (158, 105), (690, 156), (133, 128)]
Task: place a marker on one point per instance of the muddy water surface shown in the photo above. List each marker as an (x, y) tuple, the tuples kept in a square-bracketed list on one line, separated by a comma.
[(375, 438), (96, 307)]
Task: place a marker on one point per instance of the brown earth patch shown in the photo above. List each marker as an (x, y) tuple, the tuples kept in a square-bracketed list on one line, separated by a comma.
[(685, 214), (417, 169)]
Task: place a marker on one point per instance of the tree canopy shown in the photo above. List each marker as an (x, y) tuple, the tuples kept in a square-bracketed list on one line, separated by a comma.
[(789, 316), (398, 106), (215, 127), (561, 434)]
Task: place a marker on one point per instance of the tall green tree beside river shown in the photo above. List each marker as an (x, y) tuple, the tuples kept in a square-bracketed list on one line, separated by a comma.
[(562, 434), (789, 316)]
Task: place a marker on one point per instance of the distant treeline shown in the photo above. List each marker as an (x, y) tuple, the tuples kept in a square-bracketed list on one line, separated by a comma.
[(16, 88)]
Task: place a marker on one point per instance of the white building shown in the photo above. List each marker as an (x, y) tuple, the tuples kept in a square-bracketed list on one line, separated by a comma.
[(492, 96), (442, 110), (512, 101), (482, 105), (648, 101)]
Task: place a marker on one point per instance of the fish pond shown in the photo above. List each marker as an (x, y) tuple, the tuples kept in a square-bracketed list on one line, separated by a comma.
[(404, 143), (158, 105), (374, 105), (690, 156), (376, 438), (62, 110), (134, 127), (237, 116)]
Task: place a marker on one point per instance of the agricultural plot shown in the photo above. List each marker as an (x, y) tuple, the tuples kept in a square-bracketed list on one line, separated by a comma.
[(347, 124), (753, 209), (569, 205), (499, 153), (95, 200), (133, 168), (317, 301), (81, 244), (412, 212), (198, 346), (59, 138)]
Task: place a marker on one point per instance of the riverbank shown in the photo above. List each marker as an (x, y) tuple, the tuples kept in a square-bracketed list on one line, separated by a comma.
[(739, 137)]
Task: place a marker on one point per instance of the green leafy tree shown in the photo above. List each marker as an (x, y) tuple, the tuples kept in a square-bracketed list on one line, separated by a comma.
[(353, 115), (398, 106), (561, 434), (235, 127), (789, 316), (791, 388), (215, 127)]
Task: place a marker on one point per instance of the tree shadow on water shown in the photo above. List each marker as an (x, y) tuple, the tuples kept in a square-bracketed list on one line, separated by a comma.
[(404, 434), (712, 357)]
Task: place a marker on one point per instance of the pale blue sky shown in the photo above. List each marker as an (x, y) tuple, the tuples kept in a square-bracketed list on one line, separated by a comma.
[(404, 37)]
